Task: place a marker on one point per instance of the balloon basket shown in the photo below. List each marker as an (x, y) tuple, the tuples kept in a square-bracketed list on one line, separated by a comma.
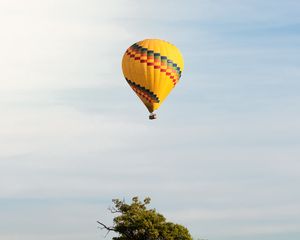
[(152, 116)]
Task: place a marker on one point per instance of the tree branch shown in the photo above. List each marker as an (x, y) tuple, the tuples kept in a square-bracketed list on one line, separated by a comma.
[(114, 210), (106, 227)]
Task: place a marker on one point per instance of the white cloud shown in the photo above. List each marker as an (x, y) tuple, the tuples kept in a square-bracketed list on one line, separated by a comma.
[(46, 128), (60, 44), (266, 213), (264, 229)]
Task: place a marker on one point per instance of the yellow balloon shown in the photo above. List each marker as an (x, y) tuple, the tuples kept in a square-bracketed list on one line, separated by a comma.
[(152, 68)]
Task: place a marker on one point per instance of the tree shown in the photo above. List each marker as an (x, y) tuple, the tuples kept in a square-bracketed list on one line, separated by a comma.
[(136, 222)]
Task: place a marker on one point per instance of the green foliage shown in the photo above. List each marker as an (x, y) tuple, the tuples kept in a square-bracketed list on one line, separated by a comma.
[(136, 222)]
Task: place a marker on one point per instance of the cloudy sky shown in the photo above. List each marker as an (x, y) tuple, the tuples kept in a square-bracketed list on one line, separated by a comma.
[(223, 158)]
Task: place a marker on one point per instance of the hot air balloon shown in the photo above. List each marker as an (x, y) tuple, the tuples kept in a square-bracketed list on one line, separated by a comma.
[(152, 68)]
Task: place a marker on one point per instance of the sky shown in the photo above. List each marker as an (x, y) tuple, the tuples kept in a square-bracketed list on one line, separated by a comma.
[(223, 157)]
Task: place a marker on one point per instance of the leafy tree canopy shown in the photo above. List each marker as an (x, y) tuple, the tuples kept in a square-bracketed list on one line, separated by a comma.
[(135, 222)]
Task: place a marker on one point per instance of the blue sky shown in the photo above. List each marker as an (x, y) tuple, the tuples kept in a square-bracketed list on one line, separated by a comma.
[(223, 156)]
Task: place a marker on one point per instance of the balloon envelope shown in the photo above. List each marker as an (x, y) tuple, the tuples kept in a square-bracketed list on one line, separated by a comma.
[(152, 68)]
